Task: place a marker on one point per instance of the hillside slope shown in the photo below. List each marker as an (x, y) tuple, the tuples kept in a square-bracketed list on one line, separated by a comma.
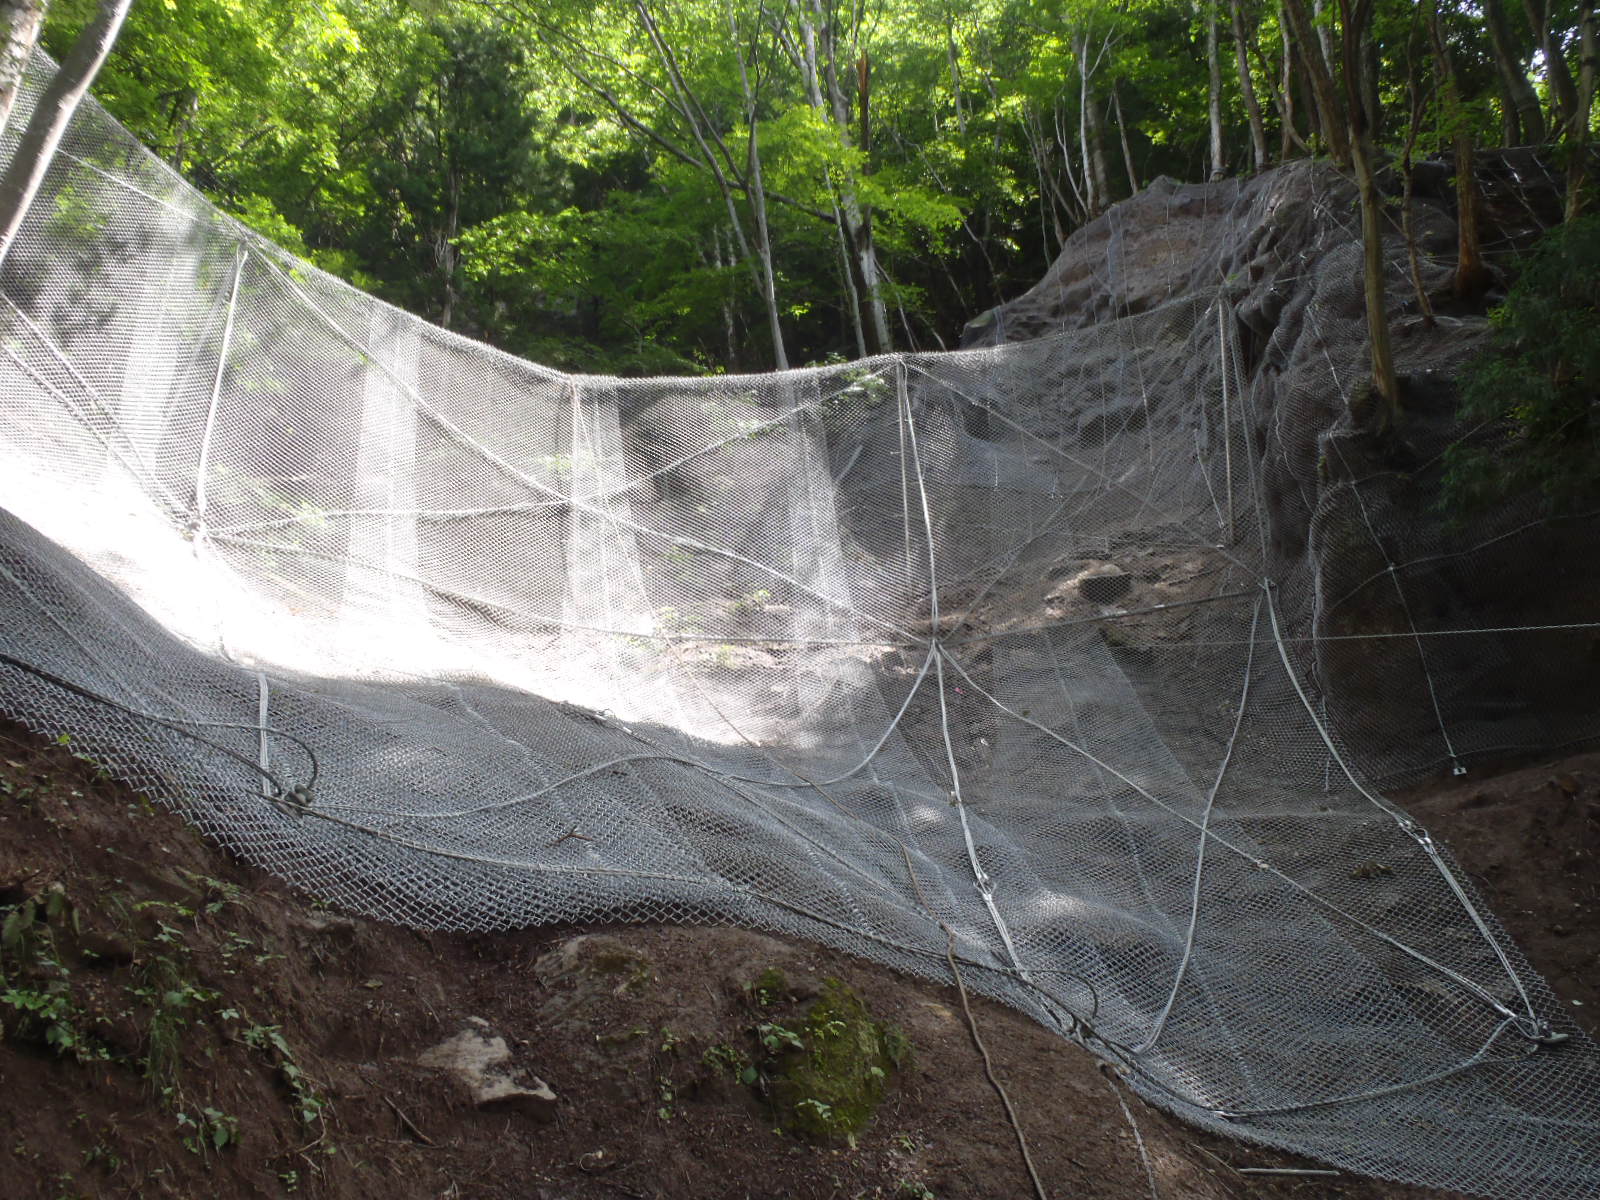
[(210, 1033)]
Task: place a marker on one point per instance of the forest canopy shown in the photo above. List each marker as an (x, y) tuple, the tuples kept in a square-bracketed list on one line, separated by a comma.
[(640, 186)]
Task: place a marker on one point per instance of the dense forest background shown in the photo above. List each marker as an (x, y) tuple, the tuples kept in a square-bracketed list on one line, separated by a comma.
[(639, 186)]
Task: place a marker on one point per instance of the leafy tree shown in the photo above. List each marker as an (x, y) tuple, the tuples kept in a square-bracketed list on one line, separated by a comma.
[(1538, 384)]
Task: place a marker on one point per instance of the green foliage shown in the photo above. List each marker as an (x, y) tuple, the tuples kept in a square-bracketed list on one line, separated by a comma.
[(309, 1106), (206, 1130), (532, 174), (1537, 386), (37, 1005)]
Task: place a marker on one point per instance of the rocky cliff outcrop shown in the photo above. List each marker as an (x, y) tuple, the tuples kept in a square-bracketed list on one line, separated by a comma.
[(1356, 539)]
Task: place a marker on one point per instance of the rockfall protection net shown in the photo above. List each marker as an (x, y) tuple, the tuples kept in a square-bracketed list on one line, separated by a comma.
[(458, 641)]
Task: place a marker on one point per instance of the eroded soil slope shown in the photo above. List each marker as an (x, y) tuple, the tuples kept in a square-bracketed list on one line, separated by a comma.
[(178, 1024)]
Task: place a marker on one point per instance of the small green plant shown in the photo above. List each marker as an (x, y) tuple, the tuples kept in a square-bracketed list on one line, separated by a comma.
[(776, 1038), (207, 1130), (768, 988), (726, 1060), (36, 998), (269, 1039), (666, 1094)]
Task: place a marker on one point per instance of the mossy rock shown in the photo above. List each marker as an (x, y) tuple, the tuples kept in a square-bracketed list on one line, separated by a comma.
[(827, 1072)]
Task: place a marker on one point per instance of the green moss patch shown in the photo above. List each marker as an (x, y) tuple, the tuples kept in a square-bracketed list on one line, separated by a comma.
[(826, 1071)]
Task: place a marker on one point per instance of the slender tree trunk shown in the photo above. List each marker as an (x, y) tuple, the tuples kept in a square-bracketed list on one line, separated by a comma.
[(1562, 87), (1122, 135), (1355, 28), (1588, 68), (1097, 154), (813, 80), (445, 252), (20, 24), (730, 342), (1407, 209), (1282, 97), (1219, 164), (1370, 100), (1252, 108), (1330, 118), (51, 115), (1324, 36), (1471, 274), (955, 74), (758, 203), (857, 226), (1093, 200), (1513, 74)]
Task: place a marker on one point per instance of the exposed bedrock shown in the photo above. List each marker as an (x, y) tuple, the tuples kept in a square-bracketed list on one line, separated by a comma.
[(1342, 506)]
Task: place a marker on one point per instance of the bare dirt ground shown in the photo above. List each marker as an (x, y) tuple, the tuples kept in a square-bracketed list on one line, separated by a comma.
[(174, 1023)]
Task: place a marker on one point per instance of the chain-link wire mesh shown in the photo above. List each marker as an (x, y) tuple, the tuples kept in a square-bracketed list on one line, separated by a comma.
[(985, 642)]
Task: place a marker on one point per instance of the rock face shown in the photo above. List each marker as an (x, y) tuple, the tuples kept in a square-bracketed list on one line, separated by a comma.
[(480, 1060), (1354, 536)]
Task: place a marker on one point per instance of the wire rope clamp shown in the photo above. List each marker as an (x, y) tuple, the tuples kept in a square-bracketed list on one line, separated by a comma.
[(1544, 1035)]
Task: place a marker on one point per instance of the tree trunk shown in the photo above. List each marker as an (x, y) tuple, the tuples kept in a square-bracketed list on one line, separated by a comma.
[(1370, 99), (1219, 163), (813, 80), (446, 254), (758, 204), (1513, 75), (1562, 87), (20, 24), (1252, 108), (50, 118), (1407, 209), (858, 228), (1097, 154), (1471, 274), (955, 74), (1285, 98), (1093, 201), (1588, 68), (1330, 117), (1355, 30), (1122, 135), (1324, 36)]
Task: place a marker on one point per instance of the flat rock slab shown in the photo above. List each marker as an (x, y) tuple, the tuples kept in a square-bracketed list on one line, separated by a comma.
[(481, 1060)]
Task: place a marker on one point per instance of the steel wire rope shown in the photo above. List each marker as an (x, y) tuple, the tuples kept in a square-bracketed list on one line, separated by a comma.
[(1160, 1022), (1529, 1025), (298, 793), (980, 876), (1394, 576), (1111, 484), (489, 456), (137, 468), (1255, 860)]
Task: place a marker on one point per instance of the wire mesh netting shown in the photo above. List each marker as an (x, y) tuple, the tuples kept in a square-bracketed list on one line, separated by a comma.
[(982, 645)]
